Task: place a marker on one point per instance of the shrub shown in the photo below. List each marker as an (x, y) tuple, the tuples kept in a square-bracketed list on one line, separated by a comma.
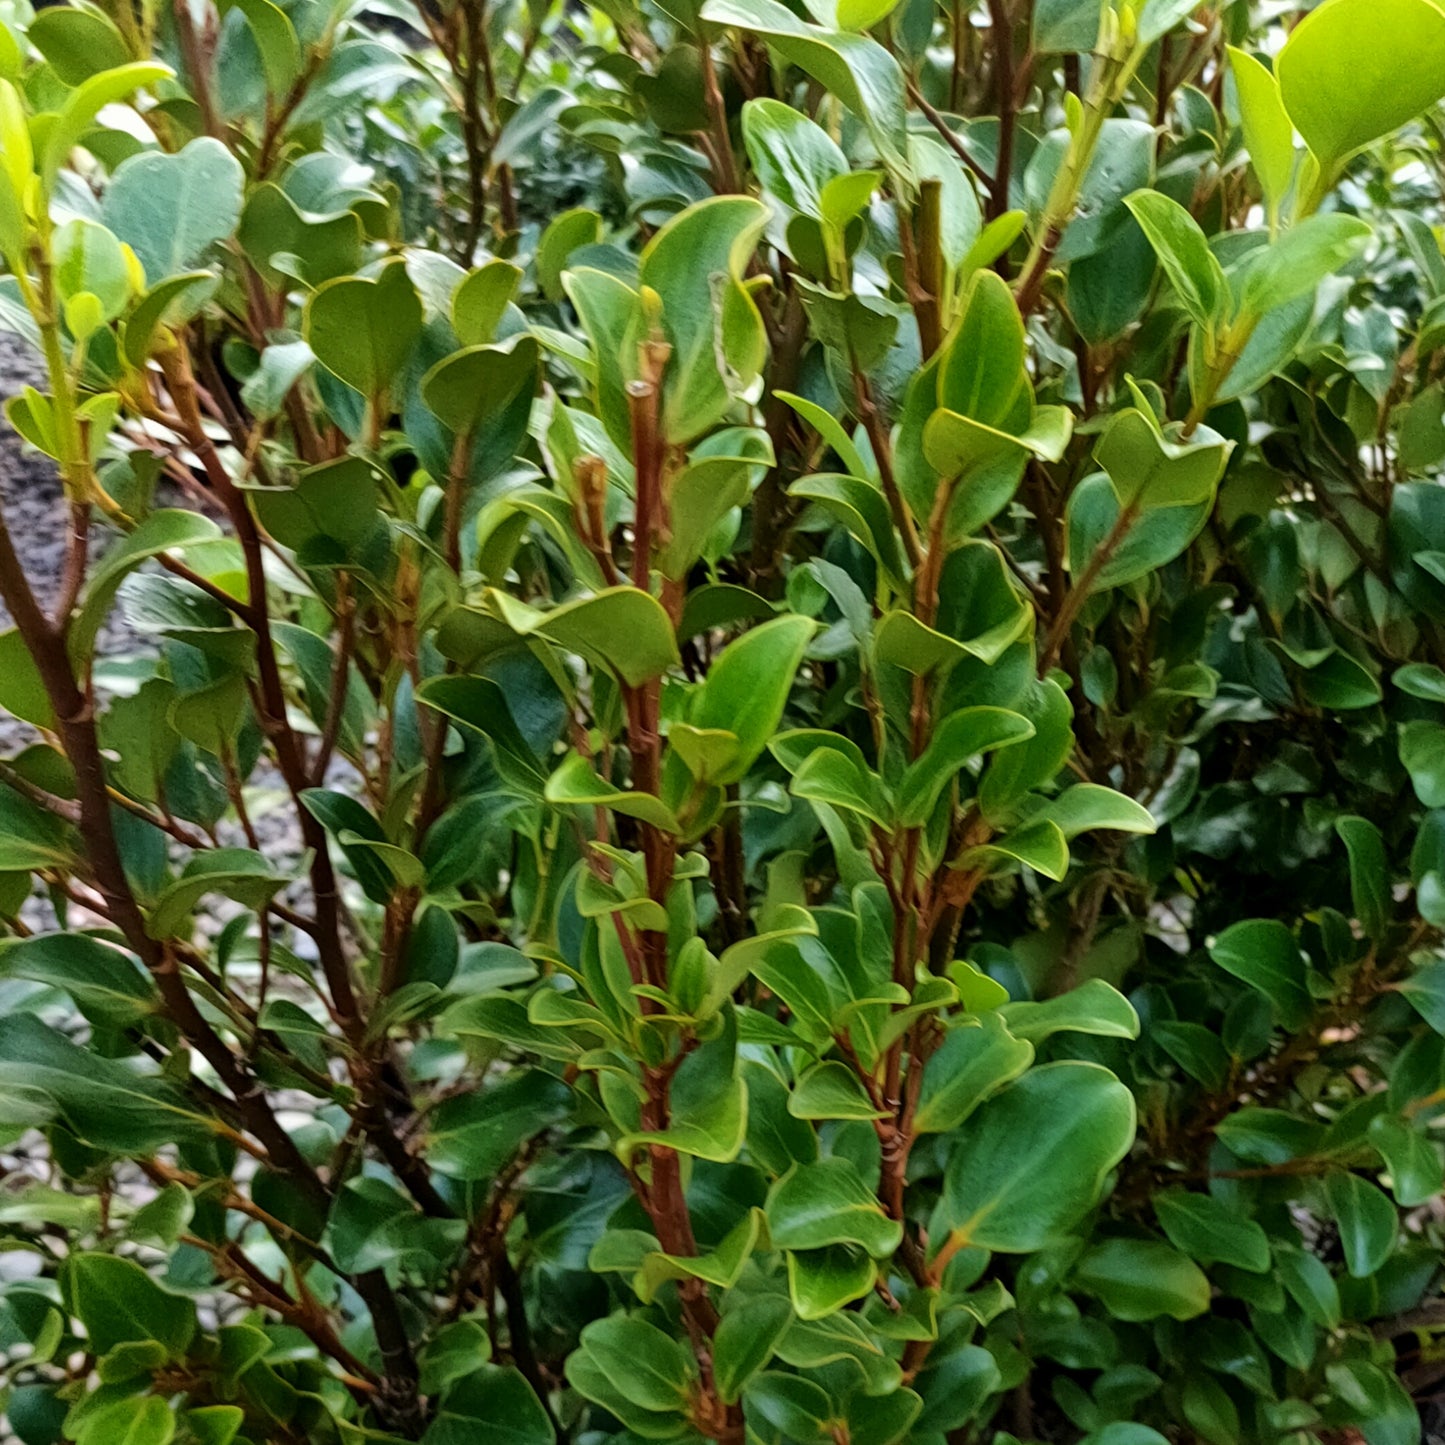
[(802, 803)]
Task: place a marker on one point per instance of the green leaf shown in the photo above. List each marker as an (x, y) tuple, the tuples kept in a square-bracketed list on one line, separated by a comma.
[(792, 156), (77, 43), (576, 785), (1422, 751), (32, 838), (570, 232), (117, 1301), (747, 687), (706, 491), (828, 1203), (709, 1100), (833, 777), (171, 209), (695, 264), (1298, 260), (276, 40), (831, 1090), (1264, 953), (170, 302), (1035, 762), (107, 986), (237, 873), (1343, 89), (969, 1066), (454, 1352), (1416, 1172), (90, 261), (1032, 1161), (1268, 134), (1367, 1222), (859, 71), (652, 1369), (863, 510), (84, 103), (279, 238), (363, 330), (481, 704), (1208, 1230), (22, 690), (105, 1103), (958, 739), (1183, 251), (1094, 1007), (1310, 1285), (1064, 25), (524, 129), (981, 614), (982, 375), (721, 1267), (792, 1407), (281, 366), (1209, 1410), (1149, 471), (1268, 1136), (1158, 17), (1122, 162), (823, 1281), (609, 310), (494, 1403), (472, 389), (959, 447), (745, 1341), (139, 1420), (1369, 873), (164, 1217), (475, 1135), (1386, 1412), (1143, 1279), (164, 531), (214, 1424), (1157, 537), (1088, 806), (1040, 846), (624, 628), (833, 432)]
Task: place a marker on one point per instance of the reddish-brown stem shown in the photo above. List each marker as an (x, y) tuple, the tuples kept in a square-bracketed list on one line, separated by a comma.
[(198, 58), (882, 445), (1083, 586), (946, 133), (1001, 34), (590, 475), (727, 170), (77, 549)]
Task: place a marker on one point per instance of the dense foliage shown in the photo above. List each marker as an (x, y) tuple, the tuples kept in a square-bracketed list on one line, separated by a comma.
[(744, 733)]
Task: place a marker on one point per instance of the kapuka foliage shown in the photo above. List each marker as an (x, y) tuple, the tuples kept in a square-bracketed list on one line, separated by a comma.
[(779, 773)]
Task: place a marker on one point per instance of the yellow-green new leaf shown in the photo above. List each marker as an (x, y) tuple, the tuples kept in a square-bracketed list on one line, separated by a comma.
[(85, 102), (1268, 134), (1352, 71)]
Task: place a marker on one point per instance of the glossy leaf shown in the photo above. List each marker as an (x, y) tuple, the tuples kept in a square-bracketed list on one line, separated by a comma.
[(1032, 1161)]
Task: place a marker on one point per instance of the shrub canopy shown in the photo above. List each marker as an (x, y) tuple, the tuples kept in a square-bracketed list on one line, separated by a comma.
[(743, 737)]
